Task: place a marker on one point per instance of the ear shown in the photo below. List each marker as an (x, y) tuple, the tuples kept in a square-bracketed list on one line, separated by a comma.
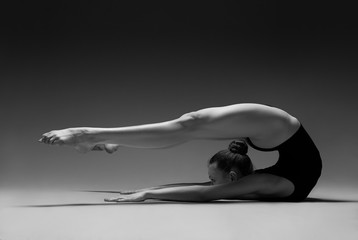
[(233, 176)]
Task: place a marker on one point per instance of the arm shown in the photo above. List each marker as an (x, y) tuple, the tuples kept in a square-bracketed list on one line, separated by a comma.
[(240, 120), (181, 185), (254, 187), (166, 186)]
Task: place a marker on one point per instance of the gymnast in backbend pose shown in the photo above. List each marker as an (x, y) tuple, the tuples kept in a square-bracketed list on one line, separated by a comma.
[(232, 176)]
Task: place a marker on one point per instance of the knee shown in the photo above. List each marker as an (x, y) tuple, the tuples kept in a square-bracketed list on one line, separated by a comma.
[(189, 120)]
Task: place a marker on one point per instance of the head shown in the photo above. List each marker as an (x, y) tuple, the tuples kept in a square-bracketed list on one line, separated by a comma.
[(231, 164)]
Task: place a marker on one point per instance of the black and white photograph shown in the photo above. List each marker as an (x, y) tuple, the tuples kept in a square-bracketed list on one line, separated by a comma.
[(180, 120)]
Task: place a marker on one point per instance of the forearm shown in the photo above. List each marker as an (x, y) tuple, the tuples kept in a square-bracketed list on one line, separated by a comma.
[(177, 185), (255, 186), (184, 193), (247, 188), (172, 185), (185, 184)]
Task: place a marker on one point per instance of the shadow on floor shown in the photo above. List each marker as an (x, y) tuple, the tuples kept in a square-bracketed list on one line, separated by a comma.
[(326, 200), (150, 202), (309, 199), (158, 202)]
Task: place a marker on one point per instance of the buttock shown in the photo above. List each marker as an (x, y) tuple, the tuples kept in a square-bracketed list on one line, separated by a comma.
[(303, 176), (299, 162)]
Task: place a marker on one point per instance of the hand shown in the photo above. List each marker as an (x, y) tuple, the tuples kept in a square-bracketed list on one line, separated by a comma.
[(134, 197), (127, 192)]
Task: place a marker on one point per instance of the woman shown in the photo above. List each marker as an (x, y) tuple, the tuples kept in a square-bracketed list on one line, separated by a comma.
[(264, 128)]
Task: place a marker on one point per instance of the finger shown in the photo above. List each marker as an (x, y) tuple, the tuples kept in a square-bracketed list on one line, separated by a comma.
[(127, 192), (122, 200), (112, 199)]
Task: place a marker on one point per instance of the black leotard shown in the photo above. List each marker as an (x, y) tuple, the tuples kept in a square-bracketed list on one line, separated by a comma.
[(299, 161)]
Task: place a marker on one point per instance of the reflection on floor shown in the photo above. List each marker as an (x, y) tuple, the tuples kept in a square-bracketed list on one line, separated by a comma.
[(83, 215)]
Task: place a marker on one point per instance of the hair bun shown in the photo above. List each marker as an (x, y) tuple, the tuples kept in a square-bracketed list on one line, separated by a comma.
[(238, 147)]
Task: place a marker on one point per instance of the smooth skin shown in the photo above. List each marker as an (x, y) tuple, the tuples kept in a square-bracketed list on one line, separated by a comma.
[(266, 126)]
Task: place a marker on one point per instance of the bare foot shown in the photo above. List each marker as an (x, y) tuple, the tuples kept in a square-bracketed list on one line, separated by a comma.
[(73, 137)]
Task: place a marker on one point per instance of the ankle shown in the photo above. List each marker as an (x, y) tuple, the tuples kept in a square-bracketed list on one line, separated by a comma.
[(90, 135)]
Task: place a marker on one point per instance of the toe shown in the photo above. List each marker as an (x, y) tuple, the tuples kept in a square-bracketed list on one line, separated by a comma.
[(52, 140)]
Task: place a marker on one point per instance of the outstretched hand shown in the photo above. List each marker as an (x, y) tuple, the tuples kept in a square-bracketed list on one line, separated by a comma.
[(126, 192), (130, 197)]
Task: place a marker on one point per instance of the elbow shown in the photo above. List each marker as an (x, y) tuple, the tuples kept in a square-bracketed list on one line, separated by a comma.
[(189, 120)]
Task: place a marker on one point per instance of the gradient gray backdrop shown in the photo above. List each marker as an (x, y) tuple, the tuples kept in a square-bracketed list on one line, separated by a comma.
[(110, 63)]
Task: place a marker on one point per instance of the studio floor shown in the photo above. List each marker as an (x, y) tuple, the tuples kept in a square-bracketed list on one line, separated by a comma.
[(52, 215)]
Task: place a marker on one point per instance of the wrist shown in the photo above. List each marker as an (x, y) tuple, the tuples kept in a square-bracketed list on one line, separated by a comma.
[(148, 194)]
